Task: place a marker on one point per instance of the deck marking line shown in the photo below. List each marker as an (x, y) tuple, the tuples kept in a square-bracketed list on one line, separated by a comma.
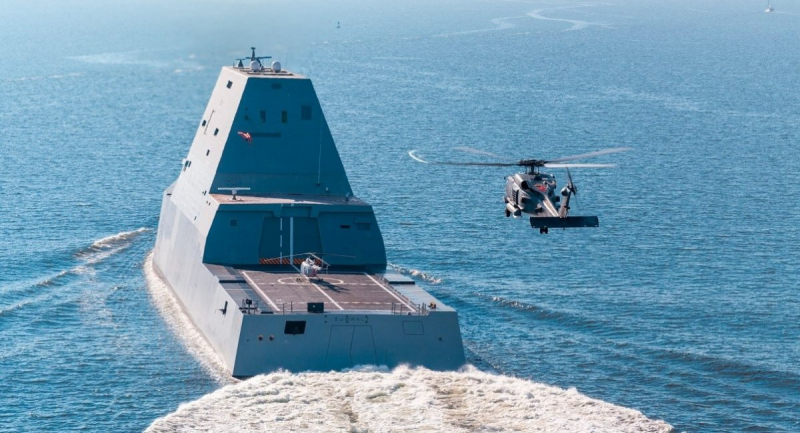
[(389, 291), (258, 289), (318, 289), (291, 239)]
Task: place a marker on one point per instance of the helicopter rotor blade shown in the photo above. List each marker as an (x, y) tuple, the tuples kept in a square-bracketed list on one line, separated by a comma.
[(416, 158), (479, 164), (551, 165), (478, 152), (591, 154), (571, 184)]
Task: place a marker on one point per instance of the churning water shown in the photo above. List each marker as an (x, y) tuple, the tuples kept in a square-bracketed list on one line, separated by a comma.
[(683, 306)]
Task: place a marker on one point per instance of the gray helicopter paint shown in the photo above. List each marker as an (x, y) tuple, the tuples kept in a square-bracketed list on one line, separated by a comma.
[(217, 253), (536, 194), (533, 192)]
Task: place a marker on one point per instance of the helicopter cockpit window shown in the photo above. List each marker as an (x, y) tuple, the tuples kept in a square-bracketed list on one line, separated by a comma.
[(524, 185)]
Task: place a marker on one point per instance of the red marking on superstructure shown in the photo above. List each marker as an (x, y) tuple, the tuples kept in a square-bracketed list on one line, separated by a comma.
[(247, 137)]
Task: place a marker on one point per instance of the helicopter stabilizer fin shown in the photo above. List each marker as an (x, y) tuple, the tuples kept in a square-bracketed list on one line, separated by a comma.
[(568, 222)]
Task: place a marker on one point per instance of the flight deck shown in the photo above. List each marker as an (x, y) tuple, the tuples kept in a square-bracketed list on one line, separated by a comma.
[(272, 256), (282, 289)]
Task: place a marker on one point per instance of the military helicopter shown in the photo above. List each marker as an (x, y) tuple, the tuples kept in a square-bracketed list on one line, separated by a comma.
[(533, 192), (312, 265)]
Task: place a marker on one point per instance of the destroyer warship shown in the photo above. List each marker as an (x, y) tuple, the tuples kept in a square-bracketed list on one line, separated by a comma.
[(270, 254)]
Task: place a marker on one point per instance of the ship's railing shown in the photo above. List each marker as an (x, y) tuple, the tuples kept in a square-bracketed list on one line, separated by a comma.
[(249, 306), (396, 292), (402, 309)]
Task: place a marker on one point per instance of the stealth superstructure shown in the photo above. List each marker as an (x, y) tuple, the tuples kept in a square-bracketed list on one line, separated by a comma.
[(271, 255)]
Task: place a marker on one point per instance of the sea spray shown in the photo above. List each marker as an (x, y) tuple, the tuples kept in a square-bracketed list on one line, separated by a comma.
[(405, 399), (115, 239), (85, 258), (172, 311), (372, 398), (416, 273)]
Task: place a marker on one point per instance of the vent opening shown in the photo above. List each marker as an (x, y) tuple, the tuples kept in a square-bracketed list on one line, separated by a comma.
[(295, 327)]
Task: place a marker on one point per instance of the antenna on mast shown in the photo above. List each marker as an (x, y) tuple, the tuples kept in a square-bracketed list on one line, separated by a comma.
[(234, 190), (255, 61)]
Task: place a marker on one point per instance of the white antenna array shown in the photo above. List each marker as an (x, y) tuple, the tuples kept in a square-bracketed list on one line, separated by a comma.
[(234, 190)]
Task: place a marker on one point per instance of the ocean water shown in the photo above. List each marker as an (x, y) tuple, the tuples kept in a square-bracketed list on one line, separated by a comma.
[(683, 305)]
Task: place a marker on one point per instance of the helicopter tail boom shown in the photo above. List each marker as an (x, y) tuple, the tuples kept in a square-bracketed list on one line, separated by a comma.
[(567, 222)]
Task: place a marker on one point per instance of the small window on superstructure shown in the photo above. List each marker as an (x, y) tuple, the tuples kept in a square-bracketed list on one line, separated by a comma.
[(263, 115), (230, 83), (216, 131), (284, 116), (204, 123), (305, 112), (208, 151)]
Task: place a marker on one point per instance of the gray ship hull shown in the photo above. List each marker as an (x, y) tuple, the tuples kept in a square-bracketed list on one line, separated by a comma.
[(233, 262)]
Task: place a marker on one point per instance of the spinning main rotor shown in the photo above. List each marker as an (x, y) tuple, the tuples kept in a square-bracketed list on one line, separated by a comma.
[(531, 164)]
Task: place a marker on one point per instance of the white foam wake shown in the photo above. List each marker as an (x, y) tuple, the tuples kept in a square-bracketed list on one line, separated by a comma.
[(416, 273), (47, 77), (498, 23), (106, 247), (401, 400), (576, 24), (95, 253), (110, 241), (171, 310)]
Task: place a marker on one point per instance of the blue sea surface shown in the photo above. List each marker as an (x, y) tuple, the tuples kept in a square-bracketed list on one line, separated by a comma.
[(684, 304)]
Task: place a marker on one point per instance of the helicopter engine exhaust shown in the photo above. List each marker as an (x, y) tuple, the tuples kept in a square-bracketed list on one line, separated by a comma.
[(513, 210)]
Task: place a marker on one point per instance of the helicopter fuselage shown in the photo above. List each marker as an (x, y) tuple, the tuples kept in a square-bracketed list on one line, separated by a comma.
[(536, 194), (531, 193)]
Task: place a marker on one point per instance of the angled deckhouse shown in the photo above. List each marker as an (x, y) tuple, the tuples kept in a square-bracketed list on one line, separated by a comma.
[(271, 255)]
